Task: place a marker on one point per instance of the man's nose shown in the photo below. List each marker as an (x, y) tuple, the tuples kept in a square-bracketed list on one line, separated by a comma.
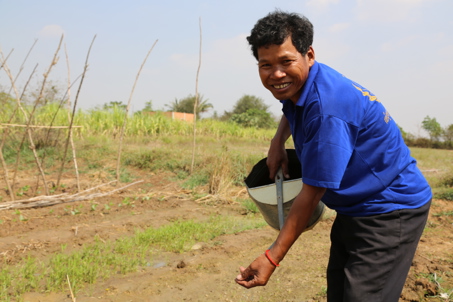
[(278, 73)]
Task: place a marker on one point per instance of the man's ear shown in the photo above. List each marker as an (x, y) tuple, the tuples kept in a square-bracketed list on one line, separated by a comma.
[(310, 56)]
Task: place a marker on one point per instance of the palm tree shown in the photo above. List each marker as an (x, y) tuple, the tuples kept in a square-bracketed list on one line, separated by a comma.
[(186, 105)]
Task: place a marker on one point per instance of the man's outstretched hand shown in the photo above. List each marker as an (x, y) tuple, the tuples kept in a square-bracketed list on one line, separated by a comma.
[(277, 158), (256, 274)]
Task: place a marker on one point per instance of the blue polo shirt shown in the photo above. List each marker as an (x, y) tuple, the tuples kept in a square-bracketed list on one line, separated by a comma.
[(348, 143)]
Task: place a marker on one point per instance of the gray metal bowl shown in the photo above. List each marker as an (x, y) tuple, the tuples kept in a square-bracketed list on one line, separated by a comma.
[(263, 191)]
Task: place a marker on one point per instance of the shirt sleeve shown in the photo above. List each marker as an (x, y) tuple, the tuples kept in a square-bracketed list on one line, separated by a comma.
[(327, 150)]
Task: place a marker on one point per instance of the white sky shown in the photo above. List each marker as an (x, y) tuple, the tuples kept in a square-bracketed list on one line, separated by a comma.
[(401, 50)]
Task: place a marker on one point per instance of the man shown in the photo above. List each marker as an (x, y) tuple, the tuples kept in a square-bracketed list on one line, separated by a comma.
[(353, 158)]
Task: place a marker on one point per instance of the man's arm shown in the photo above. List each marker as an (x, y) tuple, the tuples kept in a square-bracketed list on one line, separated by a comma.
[(276, 156), (260, 270)]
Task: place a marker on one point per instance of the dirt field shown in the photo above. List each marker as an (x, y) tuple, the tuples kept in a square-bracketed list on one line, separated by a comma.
[(207, 272)]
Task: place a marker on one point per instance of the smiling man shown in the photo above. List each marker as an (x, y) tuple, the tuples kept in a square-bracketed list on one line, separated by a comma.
[(352, 156)]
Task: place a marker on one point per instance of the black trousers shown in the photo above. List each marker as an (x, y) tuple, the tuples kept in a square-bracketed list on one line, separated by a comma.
[(370, 257)]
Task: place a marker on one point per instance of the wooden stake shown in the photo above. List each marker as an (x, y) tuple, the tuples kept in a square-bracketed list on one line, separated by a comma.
[(29, 117), (118, 162), (74, 157), (73, 112), (196, 104), (4, 125), (23, 63), (46, 201), (5, 133), (16, 167), (70, 289)]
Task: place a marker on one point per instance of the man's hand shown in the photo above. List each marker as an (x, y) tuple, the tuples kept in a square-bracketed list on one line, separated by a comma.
[(276, 158), (256, 274)]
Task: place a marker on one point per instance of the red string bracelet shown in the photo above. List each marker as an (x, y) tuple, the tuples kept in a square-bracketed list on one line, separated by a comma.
[(270, 259)]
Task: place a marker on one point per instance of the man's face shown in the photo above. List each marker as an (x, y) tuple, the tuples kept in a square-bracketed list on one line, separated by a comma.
[(283, 70)]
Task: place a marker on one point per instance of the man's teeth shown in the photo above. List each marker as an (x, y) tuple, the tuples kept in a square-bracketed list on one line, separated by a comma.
[(281, 86)]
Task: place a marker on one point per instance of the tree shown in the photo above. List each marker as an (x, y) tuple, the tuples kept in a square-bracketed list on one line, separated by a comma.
[(448, 135), (148, 107), (250, 111), (6, 101), (254, 118), (249, 102), (112, 105), (245, 103), (432, 127), (9, 107), (52, 93), (187, 104)]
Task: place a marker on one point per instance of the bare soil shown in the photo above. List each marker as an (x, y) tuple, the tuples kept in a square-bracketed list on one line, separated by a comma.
[(207, 272)]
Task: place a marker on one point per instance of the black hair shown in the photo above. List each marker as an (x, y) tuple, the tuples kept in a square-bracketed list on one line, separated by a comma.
[(277, 26)]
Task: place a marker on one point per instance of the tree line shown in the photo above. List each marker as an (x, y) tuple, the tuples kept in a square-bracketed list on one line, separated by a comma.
[(250, 111), (439, 137)]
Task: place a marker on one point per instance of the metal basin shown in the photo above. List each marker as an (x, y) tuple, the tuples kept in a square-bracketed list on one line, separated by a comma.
[(263, 191)]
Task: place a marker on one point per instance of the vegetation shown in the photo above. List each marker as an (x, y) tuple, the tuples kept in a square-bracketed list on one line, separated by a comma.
[(187, 105), (437, 167), (108, 123), (222, 164), (439, 138), (250, 111), (114, 105), (105, 124), (154, 143), (254, 118), (248, 102), (432, 127), (104, 259), (227, 149), (148, 107)]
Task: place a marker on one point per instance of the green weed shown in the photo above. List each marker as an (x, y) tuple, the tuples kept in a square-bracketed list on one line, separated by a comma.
[(21, 216), (249, 205), (181, 235), (22, 190), (127, 202), (444, 213), (323, 292), (195, 180), (445, 194), (73, 210), (93, 206), (443, 293), (102, 259)]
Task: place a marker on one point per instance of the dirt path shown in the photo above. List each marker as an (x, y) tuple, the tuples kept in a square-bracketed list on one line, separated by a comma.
[(207, 272)]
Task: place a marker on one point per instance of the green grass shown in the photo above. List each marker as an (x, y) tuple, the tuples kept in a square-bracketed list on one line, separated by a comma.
[(195, 180), (103, 259), (444, 293), (444, 213), (436, 165), (101, 122), (225, 154), (249, 205), (181, 235), (444, 193)]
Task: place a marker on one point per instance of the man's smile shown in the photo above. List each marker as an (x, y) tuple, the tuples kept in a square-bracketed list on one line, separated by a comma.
[(281, 86)]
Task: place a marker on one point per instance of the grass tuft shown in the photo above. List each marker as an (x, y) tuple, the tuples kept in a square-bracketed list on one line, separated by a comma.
[(249, 205), (104, 259)]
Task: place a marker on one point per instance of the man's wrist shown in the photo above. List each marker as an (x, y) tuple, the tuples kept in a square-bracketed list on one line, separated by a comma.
[(278, 141), (271, 260)]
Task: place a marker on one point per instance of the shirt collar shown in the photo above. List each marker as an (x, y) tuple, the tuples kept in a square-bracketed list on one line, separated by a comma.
[(306, 88)]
